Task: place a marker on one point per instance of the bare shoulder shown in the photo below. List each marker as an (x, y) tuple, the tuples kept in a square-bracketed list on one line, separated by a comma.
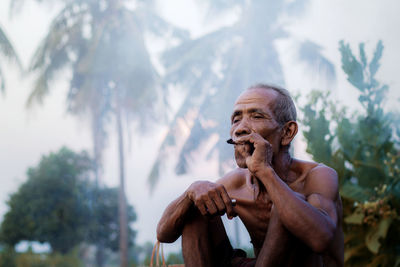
[(322, 180), (234, 179)]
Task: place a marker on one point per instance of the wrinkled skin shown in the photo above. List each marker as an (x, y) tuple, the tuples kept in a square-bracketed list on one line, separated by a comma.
[(291, 208)]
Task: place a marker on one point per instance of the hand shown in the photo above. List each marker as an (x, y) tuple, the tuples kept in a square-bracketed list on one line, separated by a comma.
[(211, 199), (256, 150)]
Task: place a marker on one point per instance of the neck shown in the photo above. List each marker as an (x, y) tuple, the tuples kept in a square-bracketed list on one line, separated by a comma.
[(281, 164)]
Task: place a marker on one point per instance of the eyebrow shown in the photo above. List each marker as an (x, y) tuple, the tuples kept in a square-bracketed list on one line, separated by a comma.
[(236, 113)]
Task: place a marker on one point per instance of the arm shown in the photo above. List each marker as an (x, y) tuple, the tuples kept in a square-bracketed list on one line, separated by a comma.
[(209, 198), (170, 226), (312, 219)]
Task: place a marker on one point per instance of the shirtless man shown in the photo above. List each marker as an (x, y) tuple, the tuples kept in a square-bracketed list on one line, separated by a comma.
[(291, 208)]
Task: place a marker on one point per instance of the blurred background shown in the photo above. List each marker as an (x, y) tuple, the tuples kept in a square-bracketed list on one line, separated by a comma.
[(110, 109)]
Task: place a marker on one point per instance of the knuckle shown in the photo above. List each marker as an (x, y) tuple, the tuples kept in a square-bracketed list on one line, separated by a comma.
[(212, 194), (198, 199)]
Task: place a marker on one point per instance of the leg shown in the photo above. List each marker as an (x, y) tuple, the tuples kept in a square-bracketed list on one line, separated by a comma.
[(205, 243), (278, 244)]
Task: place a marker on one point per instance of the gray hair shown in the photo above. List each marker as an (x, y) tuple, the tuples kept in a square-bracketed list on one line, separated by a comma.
[(284, 108)]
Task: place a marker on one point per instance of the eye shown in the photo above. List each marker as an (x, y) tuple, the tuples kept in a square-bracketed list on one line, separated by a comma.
[(235, 120), (258, 116)]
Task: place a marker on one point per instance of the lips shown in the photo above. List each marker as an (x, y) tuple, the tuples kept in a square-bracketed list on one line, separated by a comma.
[(251, 145)]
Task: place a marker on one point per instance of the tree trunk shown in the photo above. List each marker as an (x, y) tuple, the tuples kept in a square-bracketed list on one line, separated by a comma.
[(123, 235), (100, 255), (98, 141)]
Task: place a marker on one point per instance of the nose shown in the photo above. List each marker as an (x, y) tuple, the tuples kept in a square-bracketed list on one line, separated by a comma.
[(242, 129)]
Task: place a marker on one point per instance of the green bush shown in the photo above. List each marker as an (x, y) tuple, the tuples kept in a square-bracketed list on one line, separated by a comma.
[(363, 147), (10, 258)]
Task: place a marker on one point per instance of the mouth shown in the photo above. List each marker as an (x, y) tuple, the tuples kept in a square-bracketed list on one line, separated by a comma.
[(251, 145)]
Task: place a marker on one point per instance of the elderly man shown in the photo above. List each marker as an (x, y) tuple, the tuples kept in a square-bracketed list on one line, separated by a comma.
[(291, 208)]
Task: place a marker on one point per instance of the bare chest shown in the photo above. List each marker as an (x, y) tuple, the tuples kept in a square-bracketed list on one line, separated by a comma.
[(255, 212), (255, 215)]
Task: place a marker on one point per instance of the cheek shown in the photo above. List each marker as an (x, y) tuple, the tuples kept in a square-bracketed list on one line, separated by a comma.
[(231, 131), (241, 153), (240, 160)]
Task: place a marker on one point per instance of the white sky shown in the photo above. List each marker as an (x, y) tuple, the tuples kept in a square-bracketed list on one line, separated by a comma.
[(25, 135)]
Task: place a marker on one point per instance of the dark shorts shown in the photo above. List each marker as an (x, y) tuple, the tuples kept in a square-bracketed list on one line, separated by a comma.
[(226, 256), (239, 259), (244, 262)]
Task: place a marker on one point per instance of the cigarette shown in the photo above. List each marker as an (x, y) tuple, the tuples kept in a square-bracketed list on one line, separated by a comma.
[(230, 141)]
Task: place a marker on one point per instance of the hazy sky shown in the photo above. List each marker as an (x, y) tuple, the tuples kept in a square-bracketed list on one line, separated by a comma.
[(25, 135)]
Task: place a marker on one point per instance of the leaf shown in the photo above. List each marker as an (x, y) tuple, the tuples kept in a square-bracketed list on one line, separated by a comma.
[(372, 239), (356, 217), (154, 175), (374, 65), (397, 264), (363, 57), (353, 251), (2, 81), (378, 261), (7, 49), (354, 192), (352, 67)]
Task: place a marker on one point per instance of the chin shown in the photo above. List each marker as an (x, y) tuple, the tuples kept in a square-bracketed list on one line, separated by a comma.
[(241, 162)]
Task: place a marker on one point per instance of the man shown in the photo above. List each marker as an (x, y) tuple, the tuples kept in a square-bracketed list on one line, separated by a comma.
[(291, 208)]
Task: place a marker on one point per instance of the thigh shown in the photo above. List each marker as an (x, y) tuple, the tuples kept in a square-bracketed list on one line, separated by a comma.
[(205, 242)]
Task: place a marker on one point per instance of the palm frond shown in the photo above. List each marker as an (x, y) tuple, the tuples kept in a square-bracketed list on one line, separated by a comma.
[(216, 7), (39, 91), (310, 54), (297, 7), (64, 36), (7, 49), (2, 81), (245, 57), (149, 21)]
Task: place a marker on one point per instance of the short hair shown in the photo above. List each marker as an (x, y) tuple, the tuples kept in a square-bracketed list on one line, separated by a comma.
[(284, 108)]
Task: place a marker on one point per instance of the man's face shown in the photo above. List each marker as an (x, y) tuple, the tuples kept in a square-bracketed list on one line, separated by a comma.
[(252, 113)]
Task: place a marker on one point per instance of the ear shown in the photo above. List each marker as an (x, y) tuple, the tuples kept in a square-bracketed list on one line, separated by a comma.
[(289, 131)]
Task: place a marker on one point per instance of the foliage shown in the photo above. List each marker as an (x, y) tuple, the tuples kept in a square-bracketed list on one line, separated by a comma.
[(174, 258), (363, 148), (7, 50), (104, 228), (113, 78), (215, 68), (103, 43), (60, 205), (10, 258)]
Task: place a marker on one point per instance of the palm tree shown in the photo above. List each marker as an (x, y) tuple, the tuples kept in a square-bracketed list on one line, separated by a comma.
[(7, 50), (216, 67), (113, 79)]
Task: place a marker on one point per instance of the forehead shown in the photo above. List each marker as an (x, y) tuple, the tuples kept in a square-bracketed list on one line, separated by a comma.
[(257, 98)]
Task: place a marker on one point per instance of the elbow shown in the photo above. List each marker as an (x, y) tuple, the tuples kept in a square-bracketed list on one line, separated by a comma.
[(163, 235), (320, 243)]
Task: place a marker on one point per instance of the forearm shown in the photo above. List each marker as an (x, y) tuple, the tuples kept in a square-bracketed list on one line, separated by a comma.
[(170, 226), (308, 223)]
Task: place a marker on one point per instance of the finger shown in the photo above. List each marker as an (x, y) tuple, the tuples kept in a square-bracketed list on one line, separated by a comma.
[(210, 205), (202, 209), (228, 203), (254, 138), (219, 203)]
